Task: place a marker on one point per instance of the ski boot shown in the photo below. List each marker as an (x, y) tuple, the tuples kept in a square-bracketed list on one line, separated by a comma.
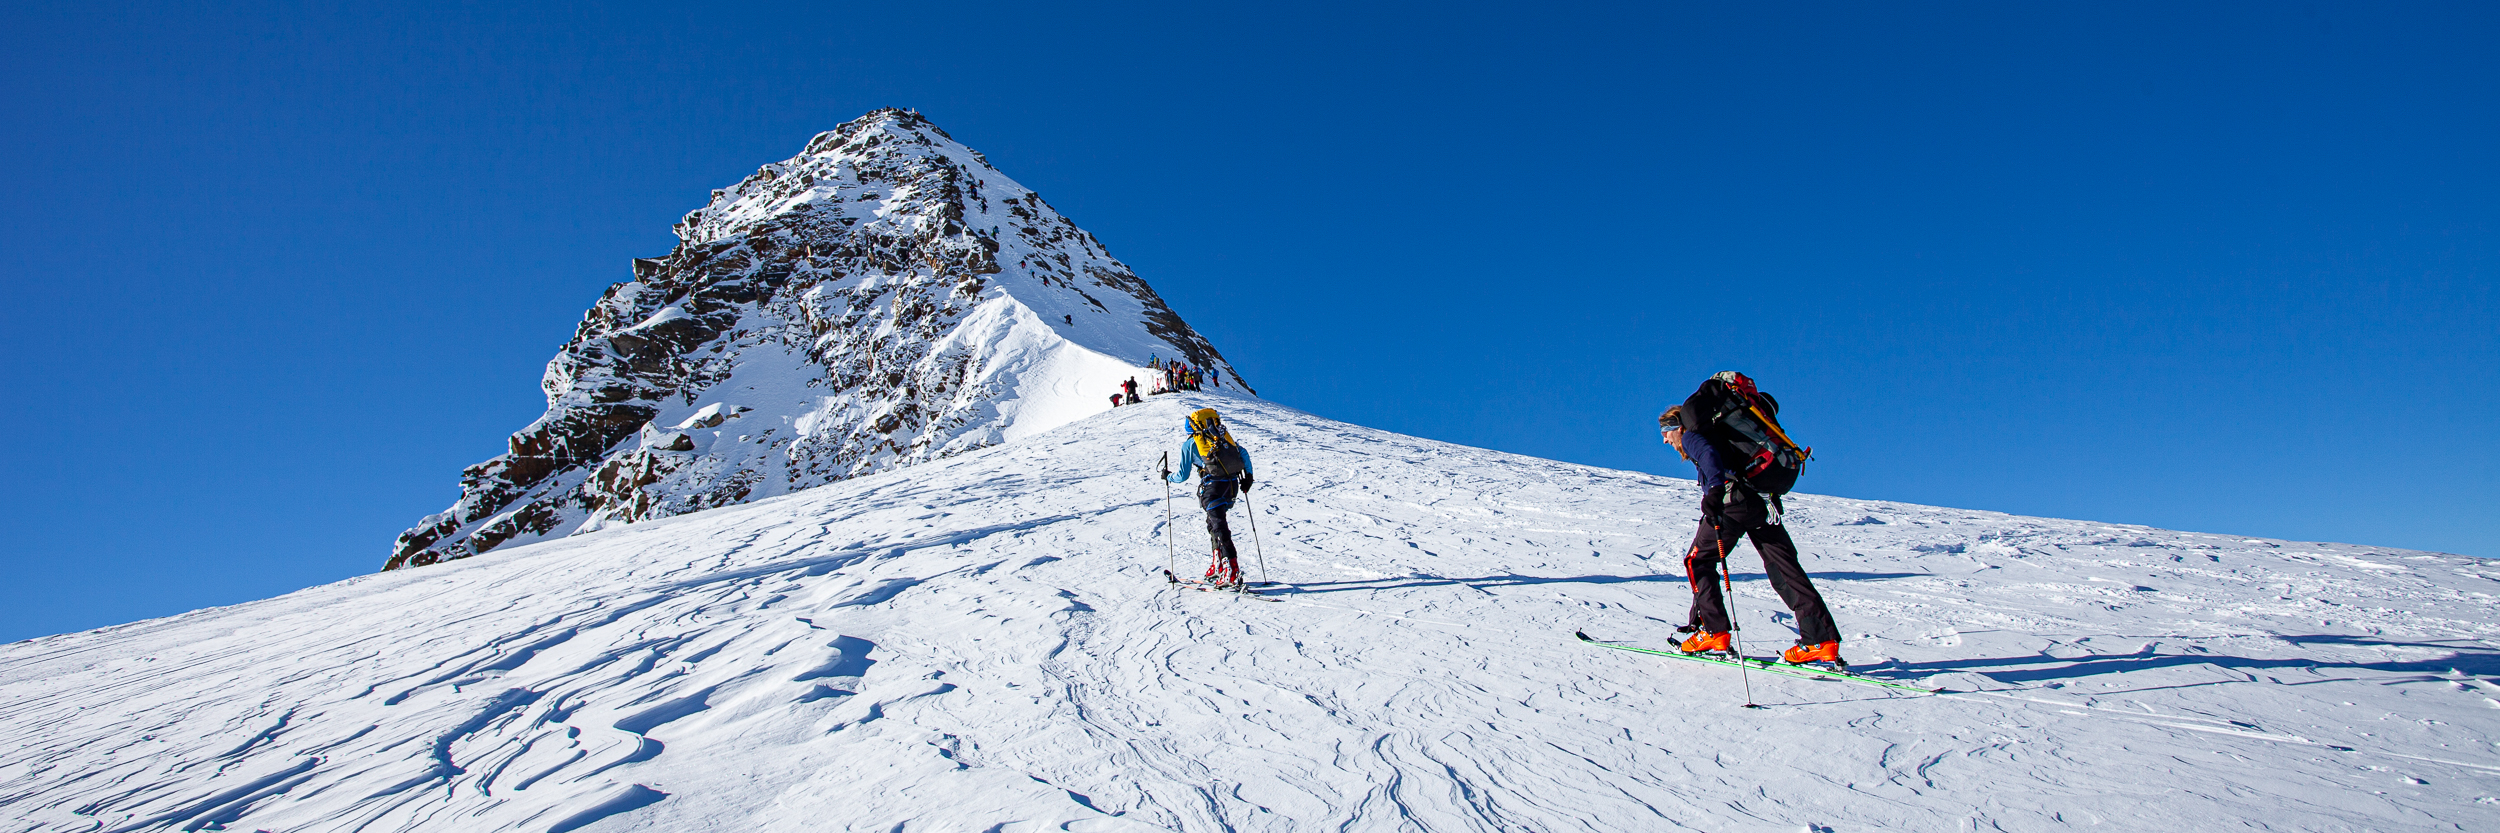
[(1224, 573), (1825, 653), (1706, 642)]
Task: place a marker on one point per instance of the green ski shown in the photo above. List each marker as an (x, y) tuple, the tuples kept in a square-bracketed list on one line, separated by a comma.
[(1803, 672)]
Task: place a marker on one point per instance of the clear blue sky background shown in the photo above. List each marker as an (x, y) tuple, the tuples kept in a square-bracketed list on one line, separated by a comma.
[(275, 273)]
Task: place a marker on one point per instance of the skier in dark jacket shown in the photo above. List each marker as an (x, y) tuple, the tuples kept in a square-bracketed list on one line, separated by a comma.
[(1732, 512), (1224, 473)]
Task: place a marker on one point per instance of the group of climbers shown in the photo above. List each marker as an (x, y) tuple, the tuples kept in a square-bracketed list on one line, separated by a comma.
[(1170, 377), (1177, 376), (1730, 432)]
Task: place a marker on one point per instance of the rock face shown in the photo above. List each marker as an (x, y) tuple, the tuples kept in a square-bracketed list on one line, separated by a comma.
[(884, 298)]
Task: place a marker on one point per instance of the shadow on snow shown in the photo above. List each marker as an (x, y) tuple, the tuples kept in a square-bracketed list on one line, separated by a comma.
[(2473, 660)]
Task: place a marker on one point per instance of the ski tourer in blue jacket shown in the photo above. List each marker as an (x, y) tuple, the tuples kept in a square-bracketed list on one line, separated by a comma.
[(1224, 472)]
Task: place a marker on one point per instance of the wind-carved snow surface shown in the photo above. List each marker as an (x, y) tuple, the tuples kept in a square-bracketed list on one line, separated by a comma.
[(985, 642), (883, 299)]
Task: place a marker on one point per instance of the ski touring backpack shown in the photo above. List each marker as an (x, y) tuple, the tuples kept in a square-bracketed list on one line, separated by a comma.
[(1217, 453), (1743, 423)]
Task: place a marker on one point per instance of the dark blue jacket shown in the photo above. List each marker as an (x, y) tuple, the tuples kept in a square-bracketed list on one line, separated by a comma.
[(1705, 460)]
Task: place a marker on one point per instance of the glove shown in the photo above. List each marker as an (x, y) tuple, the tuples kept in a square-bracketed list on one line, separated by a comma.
[(1245, 484)]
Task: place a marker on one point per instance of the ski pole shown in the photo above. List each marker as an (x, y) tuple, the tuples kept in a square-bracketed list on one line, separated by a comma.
[(1254, 539), (1727, 599), (1171, 561)]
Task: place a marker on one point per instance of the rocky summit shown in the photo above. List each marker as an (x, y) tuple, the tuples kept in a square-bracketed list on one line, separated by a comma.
[(882, 299)]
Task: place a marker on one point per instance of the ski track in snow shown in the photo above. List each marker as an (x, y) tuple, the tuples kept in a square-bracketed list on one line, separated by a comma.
[(986, 643)]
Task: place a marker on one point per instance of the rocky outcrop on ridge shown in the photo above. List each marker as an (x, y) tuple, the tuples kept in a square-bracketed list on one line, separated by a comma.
[(884, 298)]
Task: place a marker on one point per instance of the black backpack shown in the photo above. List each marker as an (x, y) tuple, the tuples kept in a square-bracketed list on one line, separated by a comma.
[(1226, 463), (1742, 425)]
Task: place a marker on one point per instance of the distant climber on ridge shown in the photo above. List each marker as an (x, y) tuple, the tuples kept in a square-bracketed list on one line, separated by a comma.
[(1224, 473), (1731, 433)]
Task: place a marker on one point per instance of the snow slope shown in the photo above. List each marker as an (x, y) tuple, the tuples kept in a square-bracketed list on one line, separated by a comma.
[(984, 643)]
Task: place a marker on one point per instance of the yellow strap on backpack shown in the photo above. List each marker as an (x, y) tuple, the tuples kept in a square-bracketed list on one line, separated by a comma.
[(1782, 436)]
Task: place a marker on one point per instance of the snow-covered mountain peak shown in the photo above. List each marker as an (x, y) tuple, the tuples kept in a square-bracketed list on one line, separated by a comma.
[(935, 170), (885, 298)]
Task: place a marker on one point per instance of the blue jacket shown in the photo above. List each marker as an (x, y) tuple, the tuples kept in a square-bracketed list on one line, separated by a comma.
[(1190, 460)]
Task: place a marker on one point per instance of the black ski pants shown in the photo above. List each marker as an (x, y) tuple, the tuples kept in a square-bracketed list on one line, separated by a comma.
[(1779, 561), (1216, 497)]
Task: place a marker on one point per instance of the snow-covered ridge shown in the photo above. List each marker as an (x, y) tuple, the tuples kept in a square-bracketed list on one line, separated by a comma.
[(984, 642), (883, 299)]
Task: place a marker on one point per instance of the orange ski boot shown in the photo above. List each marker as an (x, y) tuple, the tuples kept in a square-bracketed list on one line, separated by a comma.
[(1801, 653), (1706, 642)]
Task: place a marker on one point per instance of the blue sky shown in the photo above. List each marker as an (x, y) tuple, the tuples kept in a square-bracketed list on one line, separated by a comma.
[(275, 273)]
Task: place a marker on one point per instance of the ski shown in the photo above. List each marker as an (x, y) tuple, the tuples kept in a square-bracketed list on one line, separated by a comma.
[(1803, 672), (1195, 584)]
